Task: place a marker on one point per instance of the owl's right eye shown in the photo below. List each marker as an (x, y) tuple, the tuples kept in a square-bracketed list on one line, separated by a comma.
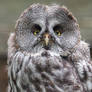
[(36, 29), (58, 30)]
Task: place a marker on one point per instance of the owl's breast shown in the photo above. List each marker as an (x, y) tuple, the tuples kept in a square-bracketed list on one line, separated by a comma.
[(49, 74)]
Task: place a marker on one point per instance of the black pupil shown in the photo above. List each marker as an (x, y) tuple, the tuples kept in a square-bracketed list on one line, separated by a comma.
[(37, 32), (57, 32), (36, 28), (59, 28)]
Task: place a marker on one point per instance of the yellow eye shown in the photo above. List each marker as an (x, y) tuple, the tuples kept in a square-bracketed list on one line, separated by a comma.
[(36, 32), (36, 29), (58, 32), (58, 29)]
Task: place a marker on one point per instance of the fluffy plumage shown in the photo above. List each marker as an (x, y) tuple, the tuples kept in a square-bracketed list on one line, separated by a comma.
[(62, 66)]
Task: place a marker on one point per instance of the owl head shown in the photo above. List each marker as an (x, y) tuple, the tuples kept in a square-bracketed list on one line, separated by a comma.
[(43, 27)]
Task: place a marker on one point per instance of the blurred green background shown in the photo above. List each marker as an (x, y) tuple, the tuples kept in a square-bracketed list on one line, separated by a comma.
[(10, 10)]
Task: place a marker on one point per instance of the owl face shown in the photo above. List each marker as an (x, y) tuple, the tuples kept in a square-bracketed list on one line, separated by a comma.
[(42, 27)]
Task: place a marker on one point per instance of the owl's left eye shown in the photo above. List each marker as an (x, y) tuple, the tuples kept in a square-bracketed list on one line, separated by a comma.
[(36, 29), (58, 30)]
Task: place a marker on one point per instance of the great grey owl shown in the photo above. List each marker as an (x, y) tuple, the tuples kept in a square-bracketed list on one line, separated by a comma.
[(46, 53)]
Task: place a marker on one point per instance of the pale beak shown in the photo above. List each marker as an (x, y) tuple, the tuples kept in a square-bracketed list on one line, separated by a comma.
[(46, 39)]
